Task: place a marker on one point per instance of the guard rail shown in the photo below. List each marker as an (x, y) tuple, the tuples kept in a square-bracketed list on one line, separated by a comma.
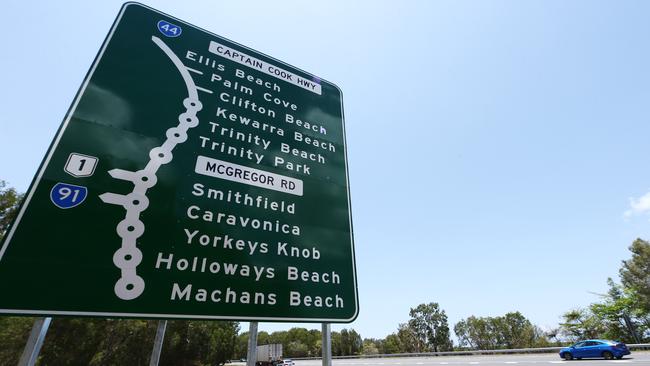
[(637, 346)]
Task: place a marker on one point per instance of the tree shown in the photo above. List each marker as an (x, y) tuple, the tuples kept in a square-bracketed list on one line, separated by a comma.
[(624, 312), (476, 333), (74, 341), (581, 324), (336, 344), (222, 341), (119, 341), (9, 202), (635, 273), (617, 313), (188, 343), (407, 339), (305, 342), (351, 342), (552, 337), (371, 346), (517, 331), (296, 349), (391, 344), (296, 342), (13, 336), (241, 347), (429, 324), (279, 337), (262, 338), (513, 330), (104, 342), (315, 345), (82, 341)]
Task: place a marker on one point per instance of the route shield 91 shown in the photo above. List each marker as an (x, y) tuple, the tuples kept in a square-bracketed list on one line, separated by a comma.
[(192, 178)]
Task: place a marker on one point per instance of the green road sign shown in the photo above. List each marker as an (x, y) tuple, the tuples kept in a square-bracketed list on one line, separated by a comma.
[(192, 178)]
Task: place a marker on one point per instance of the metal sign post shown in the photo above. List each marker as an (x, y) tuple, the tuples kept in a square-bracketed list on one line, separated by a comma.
[(158, 343), (326, 344), (251, 356), (35, 342)]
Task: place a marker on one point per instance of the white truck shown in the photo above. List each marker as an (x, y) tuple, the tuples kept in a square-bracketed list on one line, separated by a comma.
[(269, 355)]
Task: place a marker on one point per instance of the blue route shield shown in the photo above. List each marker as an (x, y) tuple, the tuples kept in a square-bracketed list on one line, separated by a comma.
[(169, 29), (65, 195)]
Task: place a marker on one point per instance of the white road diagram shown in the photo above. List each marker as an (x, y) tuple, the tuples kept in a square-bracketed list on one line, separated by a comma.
[(127, 258)]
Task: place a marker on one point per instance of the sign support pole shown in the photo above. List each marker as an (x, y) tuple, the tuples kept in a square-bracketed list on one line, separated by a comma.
[(35, 342), (158, 343), (326, 344), (251, 357)]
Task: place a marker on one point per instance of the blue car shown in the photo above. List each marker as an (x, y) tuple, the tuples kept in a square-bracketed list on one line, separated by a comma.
[(595, 348)]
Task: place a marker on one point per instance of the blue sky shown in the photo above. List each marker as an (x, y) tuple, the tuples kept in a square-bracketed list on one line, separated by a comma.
[(497, 149)]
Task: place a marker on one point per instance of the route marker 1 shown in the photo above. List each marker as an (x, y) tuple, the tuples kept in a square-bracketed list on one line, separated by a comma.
[(222, 191), (80, 165)]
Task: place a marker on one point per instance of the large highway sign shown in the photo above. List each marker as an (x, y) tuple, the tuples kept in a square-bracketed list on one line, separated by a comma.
[(192, 178)]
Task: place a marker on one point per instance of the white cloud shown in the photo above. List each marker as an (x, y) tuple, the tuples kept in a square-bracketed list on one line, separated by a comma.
[(639, 205)]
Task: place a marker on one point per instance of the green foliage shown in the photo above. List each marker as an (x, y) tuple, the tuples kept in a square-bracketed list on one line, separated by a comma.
[(120, 341), (430, 328), (189, 343), (635, 273), (371, 346), (510, 331), (296, 349), (517, 331), (350, 344), (9, 202), (407, 339), (13, 330), (262, 338), (581, 324), (106, 342), (13, 336), (241, 344), (72, 341), (476, 333), (392, 344), (618, 313), (302, 342), (624, 312)]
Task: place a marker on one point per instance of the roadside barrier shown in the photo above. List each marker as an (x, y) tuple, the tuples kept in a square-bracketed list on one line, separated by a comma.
[(639, 346)]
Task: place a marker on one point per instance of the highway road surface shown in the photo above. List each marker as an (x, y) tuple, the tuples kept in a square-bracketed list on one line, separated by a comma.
[(637, 358)]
